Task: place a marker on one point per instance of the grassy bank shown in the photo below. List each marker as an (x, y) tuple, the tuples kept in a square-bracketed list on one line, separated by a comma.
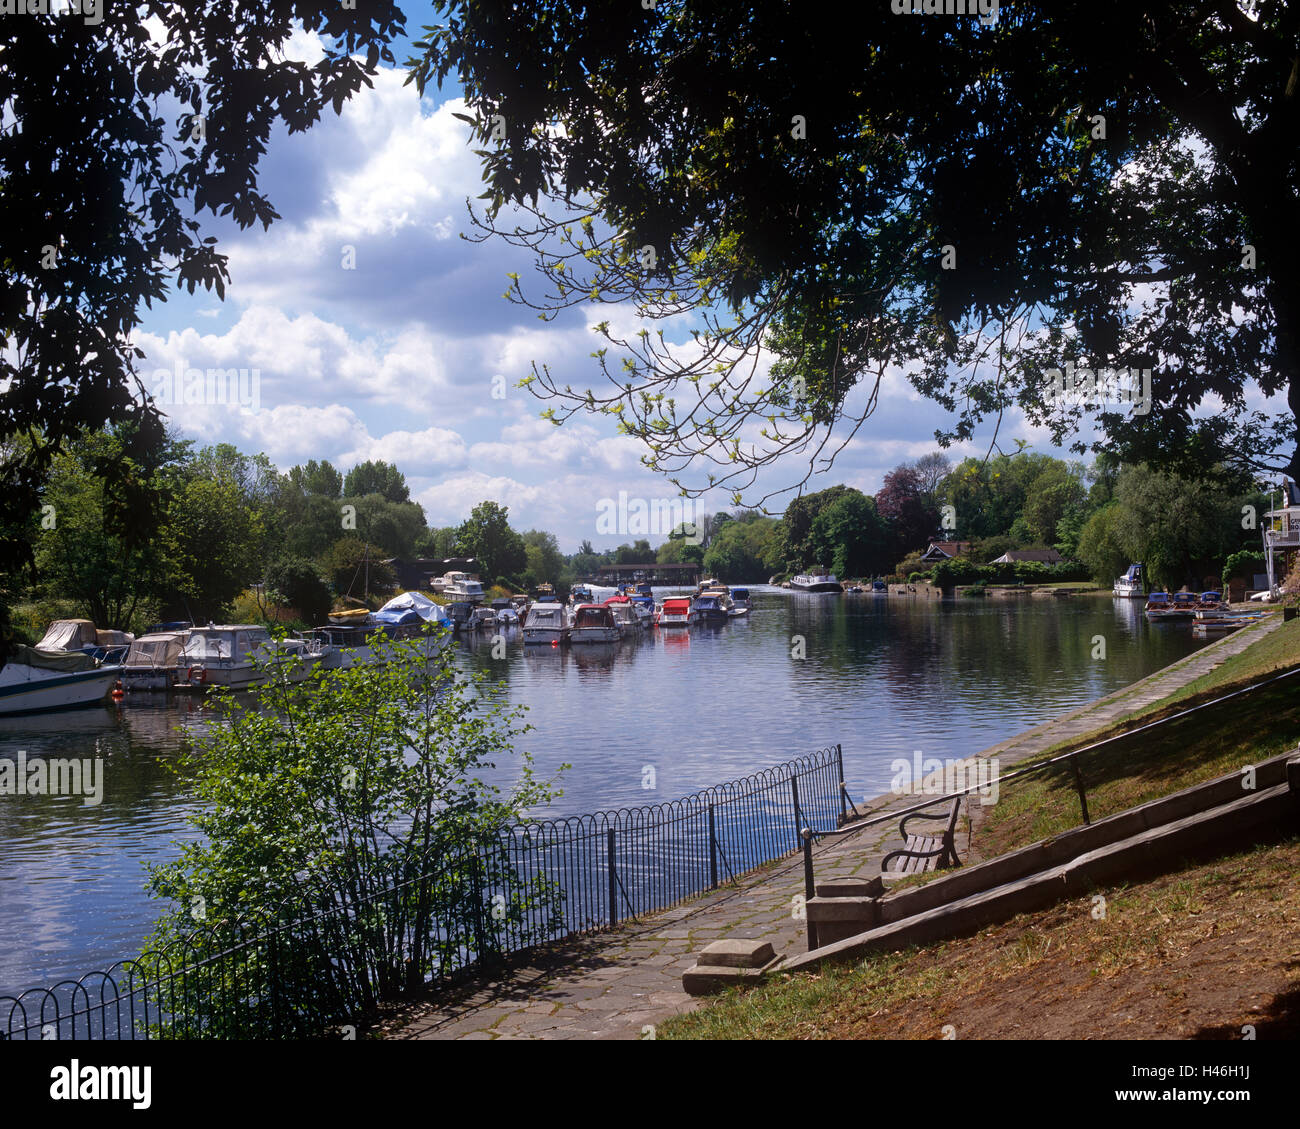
[(1162, 961), (1196, 954)]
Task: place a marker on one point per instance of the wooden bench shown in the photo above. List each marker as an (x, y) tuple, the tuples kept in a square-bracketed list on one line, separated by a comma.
[(920, 853)]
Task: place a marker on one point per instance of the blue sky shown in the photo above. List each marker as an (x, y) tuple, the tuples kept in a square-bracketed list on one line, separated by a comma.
[(396, 359)]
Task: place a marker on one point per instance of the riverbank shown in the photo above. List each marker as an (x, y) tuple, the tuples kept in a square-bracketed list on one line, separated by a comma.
[(624, 983)]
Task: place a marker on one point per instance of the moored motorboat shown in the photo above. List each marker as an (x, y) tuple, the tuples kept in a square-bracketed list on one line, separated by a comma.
[(240, 655), (815, 580), (593, 623), (36, 681), (625, 616), (740, 601), (547, 624), (152, 660), (1131, 585), (709, 609), (676, 611)]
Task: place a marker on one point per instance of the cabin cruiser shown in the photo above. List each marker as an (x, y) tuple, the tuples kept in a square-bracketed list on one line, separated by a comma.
[(710, 609), (677, 611), (482, 619), (547, 624), (229, 655), (506, 613), (152, 660), (462, 586), (580, 594), (740, 601), (815, 580), (1131, 584), (34, 681), (593, 623), (625, 615)]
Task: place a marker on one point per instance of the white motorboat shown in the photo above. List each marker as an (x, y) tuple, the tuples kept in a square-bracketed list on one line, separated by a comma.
[(152, 660), (34, 681), (1131, 584), (815, 580), (229, 655), (593, 623), (482, 619), (462, 586), (677, 611), (740, 602), (81, 635), (625, 616), (547, 623)]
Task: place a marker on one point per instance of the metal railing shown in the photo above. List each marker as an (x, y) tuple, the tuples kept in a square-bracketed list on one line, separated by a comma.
[(298, 971), (808, 834)]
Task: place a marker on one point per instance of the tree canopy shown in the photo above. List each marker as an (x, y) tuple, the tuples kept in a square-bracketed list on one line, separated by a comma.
[(117, 132), (977, 202)]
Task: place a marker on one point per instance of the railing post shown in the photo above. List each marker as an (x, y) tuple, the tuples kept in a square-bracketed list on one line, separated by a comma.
[(798, 819), (839, 757), (1078, 783), (613, 877), (713, 851), (809, 886)]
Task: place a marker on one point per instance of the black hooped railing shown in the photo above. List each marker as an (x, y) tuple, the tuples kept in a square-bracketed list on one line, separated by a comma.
[(476, 903)]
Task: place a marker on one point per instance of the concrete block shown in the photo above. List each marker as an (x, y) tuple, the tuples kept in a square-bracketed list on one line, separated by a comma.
[(851, 888), (705, 980), (739, 952), (843, 909)]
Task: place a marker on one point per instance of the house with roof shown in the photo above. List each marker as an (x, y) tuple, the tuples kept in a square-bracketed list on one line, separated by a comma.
[(1042, 556), (945, 550)]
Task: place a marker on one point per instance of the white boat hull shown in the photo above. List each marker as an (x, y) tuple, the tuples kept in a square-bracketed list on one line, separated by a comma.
[(580, 635), (27, 690)]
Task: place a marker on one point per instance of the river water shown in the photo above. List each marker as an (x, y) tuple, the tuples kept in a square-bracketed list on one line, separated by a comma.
[(882, 676)]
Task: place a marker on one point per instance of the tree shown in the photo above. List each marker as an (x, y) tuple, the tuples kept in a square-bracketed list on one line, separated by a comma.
[(296, 583), (354, 569), (796, 525), (639, 552), (487, 535), (851, 538), (209, 533), (545, 561), (362, 799), (1108, 186), (318, 478), (96, 210), (377, 478), (1054, 492), (931, 470), (902, 504), (394, 528), (92, 553), (1102, 545)]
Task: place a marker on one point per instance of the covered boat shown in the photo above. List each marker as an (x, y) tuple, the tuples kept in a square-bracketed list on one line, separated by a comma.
[(34, 680), (547, 624), (152, 660), (676, 612), (593, 623), (235, 656), (710, 609), (740, 601)]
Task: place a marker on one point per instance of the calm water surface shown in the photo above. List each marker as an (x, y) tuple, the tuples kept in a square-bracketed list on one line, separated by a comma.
[(883, 676)]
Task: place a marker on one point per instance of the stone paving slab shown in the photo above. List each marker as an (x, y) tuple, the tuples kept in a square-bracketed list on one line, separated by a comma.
[(620, 983)]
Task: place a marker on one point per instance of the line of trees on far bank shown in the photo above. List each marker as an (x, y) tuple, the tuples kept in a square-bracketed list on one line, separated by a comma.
[(213, 533)]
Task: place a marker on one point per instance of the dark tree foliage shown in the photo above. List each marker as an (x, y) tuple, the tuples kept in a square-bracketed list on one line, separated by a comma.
[(376, 478), (111, 143), (1111, 185)]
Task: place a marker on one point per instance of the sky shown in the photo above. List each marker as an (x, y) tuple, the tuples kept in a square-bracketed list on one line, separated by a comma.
[(376, 332)]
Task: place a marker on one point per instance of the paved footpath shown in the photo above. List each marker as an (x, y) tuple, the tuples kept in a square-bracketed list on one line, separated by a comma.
[(619, 983)]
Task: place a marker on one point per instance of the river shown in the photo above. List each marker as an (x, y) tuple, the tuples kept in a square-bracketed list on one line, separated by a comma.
[(882, 676)]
